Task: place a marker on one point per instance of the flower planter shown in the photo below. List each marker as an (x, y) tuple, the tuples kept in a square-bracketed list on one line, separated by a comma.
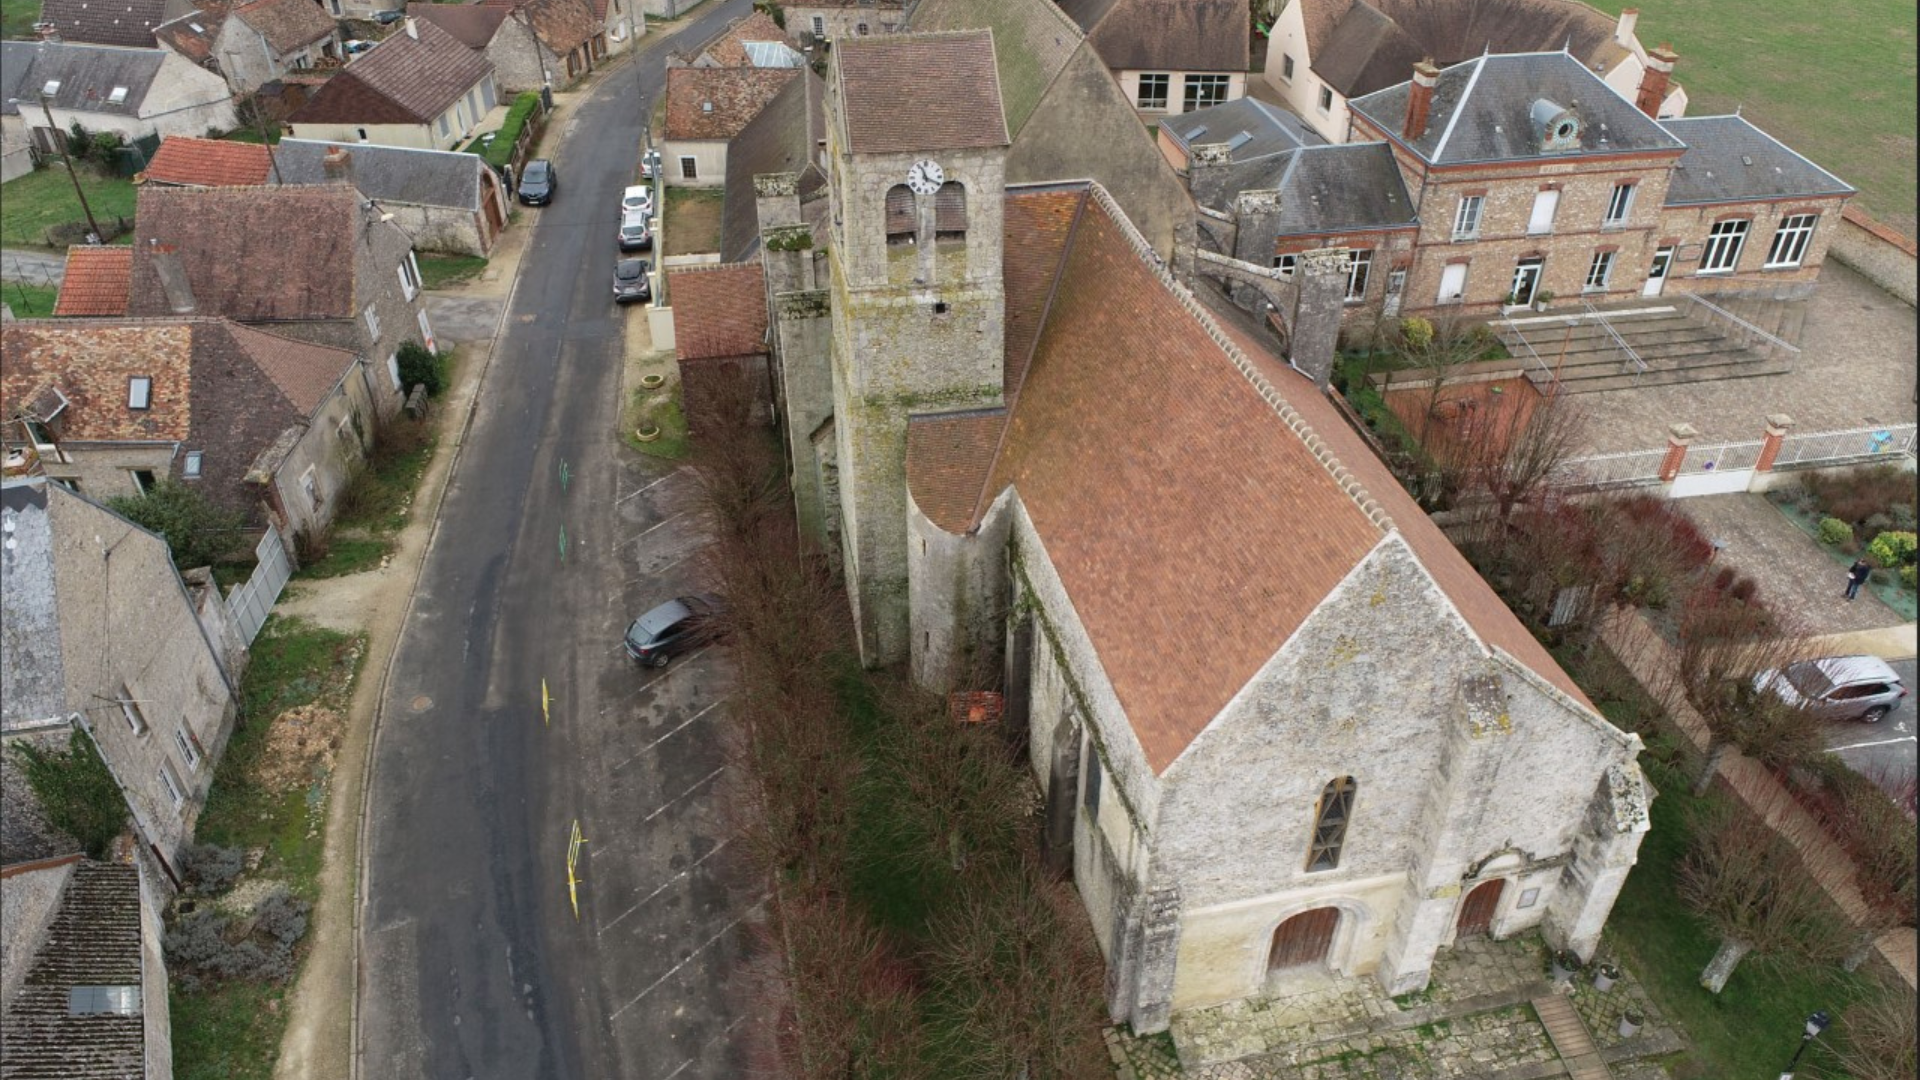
[(652, 382), (1630, 1023), (1565, 965), (1605, 976), (647, 434)]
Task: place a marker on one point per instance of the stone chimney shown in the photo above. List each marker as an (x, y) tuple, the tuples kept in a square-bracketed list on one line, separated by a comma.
[(1653, 81), (413, 28), (1426, 74), (173, 278), (1623, 30), (337, 163), (1208, 178), (1321, 276)]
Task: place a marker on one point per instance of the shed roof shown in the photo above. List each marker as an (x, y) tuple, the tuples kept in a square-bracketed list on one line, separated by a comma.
[(287, 25), (1730, 160), (96, 280), (1251, 127), (194, 162), (920, 91)]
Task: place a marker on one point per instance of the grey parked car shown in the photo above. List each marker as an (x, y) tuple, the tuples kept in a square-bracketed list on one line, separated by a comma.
[(674, 627), (1837, 687)]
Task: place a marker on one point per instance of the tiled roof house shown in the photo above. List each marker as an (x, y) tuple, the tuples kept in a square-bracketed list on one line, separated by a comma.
[(720, 339), (706, 108), (750, 41), (419, 87), (446, 201), (264, 40), (96, 281), (134, 91), (127, 23), (1171, 56), (187, 161)]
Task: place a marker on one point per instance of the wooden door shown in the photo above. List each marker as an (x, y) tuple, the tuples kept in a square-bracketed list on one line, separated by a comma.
[(1304, 940), (1476, 915)]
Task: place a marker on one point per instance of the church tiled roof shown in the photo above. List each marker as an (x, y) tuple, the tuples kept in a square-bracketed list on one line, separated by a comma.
[(913, 92)]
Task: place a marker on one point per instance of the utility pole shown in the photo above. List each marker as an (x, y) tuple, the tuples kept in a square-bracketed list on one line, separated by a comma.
[(94, 235)]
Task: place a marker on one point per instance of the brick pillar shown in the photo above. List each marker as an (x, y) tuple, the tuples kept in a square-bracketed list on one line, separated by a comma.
[(1426, 75), (1654, 80), (1777, 425), (1679, 437), (1320, 278)]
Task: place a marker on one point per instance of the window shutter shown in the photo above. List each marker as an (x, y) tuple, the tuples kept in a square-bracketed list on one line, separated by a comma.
[(950, 209), (900, 211)]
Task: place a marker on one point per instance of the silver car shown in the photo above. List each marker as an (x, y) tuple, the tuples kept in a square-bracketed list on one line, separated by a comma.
[(1837, 687)]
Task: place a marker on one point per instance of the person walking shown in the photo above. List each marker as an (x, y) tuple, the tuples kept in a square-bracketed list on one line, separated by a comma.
[(1857, 575)]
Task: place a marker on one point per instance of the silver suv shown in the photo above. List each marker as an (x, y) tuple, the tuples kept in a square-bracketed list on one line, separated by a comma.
[(1837, 687)]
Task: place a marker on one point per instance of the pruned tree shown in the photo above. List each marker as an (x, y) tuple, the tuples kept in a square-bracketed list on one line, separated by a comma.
[(1512, 452), (1878, 1034), (1750, 886), (1726, 641)]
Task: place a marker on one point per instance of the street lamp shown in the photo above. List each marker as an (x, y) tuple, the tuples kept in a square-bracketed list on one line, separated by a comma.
[(1816, 1024)]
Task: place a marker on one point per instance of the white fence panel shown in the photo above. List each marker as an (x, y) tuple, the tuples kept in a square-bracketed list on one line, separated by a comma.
[(251, 602), (1851, 445)]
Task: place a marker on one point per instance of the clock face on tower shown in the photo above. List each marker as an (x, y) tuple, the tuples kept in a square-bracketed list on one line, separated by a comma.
[(925, 177)]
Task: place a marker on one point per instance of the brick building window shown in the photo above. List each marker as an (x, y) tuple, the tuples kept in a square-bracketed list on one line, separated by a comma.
[(900, 215), (1466, 219), (1357, 275), (1206, 91), (1286, 264), (1790, 241), (1599, 271), (1619, 206), (1330, 824), (1724, 242), (1153, 91)]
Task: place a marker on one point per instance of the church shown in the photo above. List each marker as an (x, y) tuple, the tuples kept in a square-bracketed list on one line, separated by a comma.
[(1283, 729)]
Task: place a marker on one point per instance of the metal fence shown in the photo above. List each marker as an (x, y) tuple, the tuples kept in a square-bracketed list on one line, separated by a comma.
[(250, 603), (1810, 450), (1822, 447), (1612, 470)]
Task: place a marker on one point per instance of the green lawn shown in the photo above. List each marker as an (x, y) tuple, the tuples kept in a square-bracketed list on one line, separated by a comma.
[(445, 271), (29, 301), (1834, 81), (228, 1033), (17, 16), (691, 222), (44, 198)]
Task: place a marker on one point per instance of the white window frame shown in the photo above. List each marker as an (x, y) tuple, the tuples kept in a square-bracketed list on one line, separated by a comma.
[(819, 27), (1325, 101), (1619, 206), (1791, 238), (1195, 87), (1359, 274), (1599, 271), (1466, 217), (393, 368), (426, 330), (118, 96), (409, 276), (188, 752), (310, 483), (373, 321), (195, 463), (1158, 103), (1725, 242), (445, 128), (176, 790), (1287, 264), (130, 709), (140, 393)]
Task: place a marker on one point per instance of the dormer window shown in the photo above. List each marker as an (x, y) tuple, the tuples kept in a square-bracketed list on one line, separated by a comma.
[(118, 96), (1558, 128), (139, 392)]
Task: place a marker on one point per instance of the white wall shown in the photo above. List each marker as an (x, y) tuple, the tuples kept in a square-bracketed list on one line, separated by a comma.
[(710, 157), (1176, 89)]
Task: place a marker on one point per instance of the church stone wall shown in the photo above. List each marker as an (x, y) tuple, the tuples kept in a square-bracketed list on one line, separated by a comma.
[(957, 591)]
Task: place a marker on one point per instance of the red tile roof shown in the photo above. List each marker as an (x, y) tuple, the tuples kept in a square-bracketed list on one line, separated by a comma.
[(716, 103), (728, 47), (96, 281), (185, 160), (907, 92), (93, 364), (288, 25), (947, 455), (719, 311), (192, 35), (251, 253)]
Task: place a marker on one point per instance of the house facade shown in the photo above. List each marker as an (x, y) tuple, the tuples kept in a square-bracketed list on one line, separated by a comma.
[(530, 45), (706, 109), (420, 88), (1323, 53), (1352, 755), (261, 41), (1171, 56), (832, 20), (131, 92), (445, 201)]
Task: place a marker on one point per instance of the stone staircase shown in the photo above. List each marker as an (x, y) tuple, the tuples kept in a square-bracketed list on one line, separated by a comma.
[(1589, 350)]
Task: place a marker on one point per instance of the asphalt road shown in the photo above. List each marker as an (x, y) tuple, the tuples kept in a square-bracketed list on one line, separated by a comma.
[(1884, 751), (551, 538)]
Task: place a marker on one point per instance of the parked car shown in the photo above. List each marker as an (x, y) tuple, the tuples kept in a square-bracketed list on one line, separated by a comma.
[(635, 234), (538, 183), (355, 45), (630, 281), (388, 18), (637, 199), (1837, 687), (674, 627), (650, 164)]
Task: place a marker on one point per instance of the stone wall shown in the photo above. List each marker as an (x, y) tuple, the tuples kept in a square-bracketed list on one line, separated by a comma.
[(1882, 254), (156, 1010), (957, 592), (337, 439), (442, 228)]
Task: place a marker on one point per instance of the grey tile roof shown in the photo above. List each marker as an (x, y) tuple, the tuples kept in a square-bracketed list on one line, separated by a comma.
[(404, 79), (1483, 110), (105, 22), (1165, 35), (1253, 128), (94, 940), (783, 138), (1327, 189), (32, 678), (389, 173), (1730, 160), (88, 75)]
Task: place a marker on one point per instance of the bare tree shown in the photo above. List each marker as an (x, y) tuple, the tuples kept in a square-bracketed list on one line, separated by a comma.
[(1727, 639), (1751, 887), (1511, 452), (1878, 1034)]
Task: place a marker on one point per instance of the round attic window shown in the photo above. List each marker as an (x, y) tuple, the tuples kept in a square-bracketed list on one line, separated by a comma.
[(1564, 130)]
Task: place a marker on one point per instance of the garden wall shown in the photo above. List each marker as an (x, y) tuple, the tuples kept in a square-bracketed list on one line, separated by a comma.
[(1884, 255)]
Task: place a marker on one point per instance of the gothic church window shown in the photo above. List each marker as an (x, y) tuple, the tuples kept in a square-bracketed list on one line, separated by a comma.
[(950, 212), (900, 215), (1330, 824)]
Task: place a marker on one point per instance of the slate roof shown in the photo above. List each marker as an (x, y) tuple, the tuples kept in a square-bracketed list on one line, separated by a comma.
[(192, 162), (718, 103), (1166, 35), (1482, 111), (96, 280), (402, 80), (728, 48), (91, 363), (94, 940), (1032, 42), (473, 25), (719, 310), (920, 91), (192, 35), (33, 684), (88, 75), (1264, 507), (1360, 46), (277, 253), (1252, 127), (288, 25), (105, 22), (1730, 160), (1324, 189), (784, 138), (390, 174)]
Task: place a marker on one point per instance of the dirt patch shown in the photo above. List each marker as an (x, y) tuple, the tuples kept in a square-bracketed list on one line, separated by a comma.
[(300, 748)]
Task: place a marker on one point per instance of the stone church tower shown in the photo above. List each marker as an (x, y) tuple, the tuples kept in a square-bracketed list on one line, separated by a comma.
[(917, 147)]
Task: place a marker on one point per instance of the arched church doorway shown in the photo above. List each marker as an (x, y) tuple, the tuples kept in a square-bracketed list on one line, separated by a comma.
[(1304, 940), (1476, 915)]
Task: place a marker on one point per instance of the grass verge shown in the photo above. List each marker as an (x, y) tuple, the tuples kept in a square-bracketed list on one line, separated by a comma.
[(30, 301), (45, 198), (348, 555), (17, 18), (658, 409), (446, 271), (229, 1034)]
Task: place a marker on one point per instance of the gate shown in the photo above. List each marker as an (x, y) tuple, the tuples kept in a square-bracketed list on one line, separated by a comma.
[(1304, 940), (249, 604), (1476, 915)]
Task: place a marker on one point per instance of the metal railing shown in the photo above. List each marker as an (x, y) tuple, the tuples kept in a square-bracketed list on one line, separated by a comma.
[(1811, 450), (1548, 383), (1854, 444), (1628, 356), (1734, 326), (1612, 470), (1721, 457)]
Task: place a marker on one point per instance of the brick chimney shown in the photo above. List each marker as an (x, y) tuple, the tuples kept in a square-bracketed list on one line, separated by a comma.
[(1420, 98), (1623, 30), (1653, 81), (337, 164)]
